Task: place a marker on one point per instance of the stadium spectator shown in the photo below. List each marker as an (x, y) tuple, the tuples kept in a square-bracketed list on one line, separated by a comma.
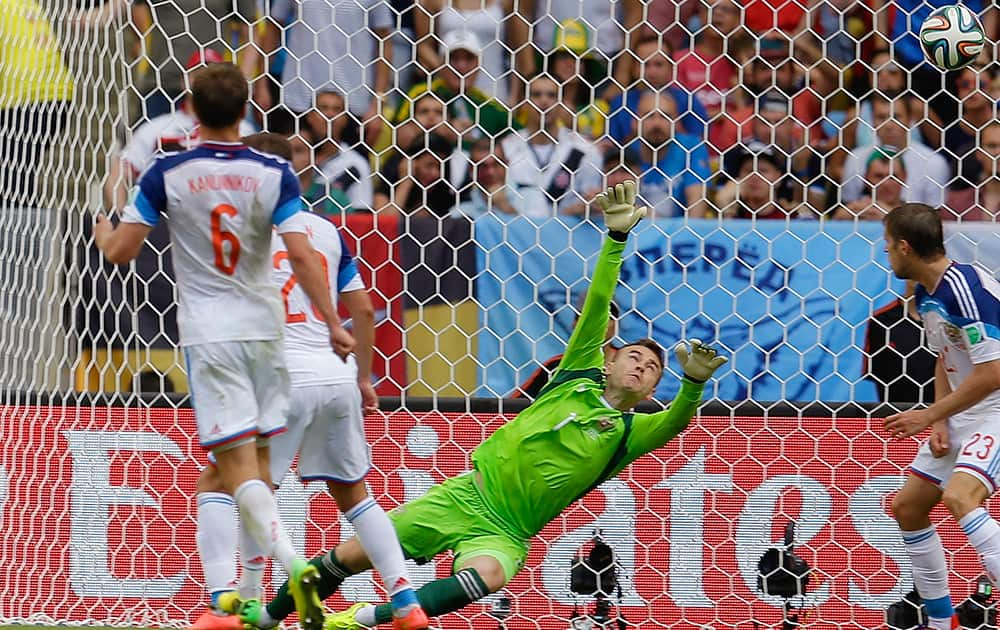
[(885, 178), (709, 70), (566, 64), (550, 165), (176, 31), (416, 183), (540, 377), (600, 28), (674, 20), (960, 140), (343, 169), (982, 201), (896, 357), (888, 80), (36, 90), (428, 117), (776, 127), (341, 45), (488, 191), (655, 74), (470, 113), (317, 194), (488, 20), (754, 193), (674, 166), (927, 172), (172, 131)]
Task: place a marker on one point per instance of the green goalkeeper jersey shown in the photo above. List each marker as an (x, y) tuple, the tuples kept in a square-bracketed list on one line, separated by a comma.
[(570, 440)]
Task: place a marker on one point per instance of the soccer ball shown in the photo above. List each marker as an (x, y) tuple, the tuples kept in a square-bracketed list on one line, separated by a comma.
[(952, 37)]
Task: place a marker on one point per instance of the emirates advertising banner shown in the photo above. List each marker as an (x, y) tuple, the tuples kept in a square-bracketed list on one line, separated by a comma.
[(97, 520)]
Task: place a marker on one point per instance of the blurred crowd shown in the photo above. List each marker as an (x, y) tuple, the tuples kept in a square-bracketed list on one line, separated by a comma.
[(809, 109)]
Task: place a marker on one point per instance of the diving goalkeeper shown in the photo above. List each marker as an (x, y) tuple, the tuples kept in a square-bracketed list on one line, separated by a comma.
[(578, 433)]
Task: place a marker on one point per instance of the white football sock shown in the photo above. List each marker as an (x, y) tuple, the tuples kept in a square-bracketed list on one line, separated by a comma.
[(216, 536), (253, 560), (366, 616), (930, 575), (984, 534), (259, 515), (378, 538)]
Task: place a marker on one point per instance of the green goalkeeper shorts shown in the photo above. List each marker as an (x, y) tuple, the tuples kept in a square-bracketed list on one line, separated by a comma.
[(452, 517)]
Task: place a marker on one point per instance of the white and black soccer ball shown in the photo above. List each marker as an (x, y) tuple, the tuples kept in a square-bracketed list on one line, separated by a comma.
[(952, 37)]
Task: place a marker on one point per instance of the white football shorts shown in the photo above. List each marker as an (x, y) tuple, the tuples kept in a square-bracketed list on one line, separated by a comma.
[(326, 428), (975, 450), (239, 390)]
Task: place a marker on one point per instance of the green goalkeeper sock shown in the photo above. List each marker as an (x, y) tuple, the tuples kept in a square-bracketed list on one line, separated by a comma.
[(332, 574), (443, 596)]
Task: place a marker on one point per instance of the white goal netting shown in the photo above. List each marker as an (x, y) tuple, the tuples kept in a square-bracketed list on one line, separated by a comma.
[(457, 143)]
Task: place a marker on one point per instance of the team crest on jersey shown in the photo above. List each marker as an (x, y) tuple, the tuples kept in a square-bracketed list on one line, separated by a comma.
[(974, 333), (605, 424), (954, 334)]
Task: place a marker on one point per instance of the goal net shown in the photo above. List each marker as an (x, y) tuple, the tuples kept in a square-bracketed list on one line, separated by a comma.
[(457, 144)]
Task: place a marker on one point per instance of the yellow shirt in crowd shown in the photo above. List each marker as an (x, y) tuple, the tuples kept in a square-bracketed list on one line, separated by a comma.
[(32, 69)]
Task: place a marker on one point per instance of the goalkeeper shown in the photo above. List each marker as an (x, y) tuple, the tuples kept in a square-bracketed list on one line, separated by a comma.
[(578, 433)]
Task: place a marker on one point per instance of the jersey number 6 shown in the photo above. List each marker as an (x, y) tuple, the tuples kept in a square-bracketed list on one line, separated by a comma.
[(220, 237)]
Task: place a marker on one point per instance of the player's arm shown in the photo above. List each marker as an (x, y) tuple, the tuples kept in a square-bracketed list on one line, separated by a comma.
[(940, 441), (653, 430), (309, 272), (585, 347), (359, 305), (981, 382), (121, 244), (984, 350), (305, 261)]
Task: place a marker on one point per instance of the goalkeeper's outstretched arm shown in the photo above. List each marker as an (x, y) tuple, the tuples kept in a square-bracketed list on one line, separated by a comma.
[(585, 349)]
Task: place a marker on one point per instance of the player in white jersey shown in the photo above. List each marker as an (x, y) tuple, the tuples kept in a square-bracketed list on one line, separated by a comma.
[(959, 464), (222, 200), (325, 428)]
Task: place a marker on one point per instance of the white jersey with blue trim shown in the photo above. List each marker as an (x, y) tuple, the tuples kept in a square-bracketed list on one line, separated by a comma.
[(221, 201), (307, 338), (962, 319)]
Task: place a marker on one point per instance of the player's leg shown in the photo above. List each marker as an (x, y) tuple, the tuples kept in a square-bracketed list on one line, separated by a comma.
[(482, 566), (911, 507), (334, 566), (486, 558), (424, 527), (975, 479), (216, 536), (271, 387), (335, 450), (225, 411)]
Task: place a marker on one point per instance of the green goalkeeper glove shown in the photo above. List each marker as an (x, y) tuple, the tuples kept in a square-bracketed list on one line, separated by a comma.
[(700, 362), (618, 204)]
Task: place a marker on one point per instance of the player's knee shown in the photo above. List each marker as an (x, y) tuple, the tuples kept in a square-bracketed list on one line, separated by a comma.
[(907, 512), (347, 495), (958, 502), (209, 480), (490, 571)]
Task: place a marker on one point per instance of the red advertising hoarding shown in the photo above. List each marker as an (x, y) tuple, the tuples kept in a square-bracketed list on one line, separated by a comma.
[(96, 518)]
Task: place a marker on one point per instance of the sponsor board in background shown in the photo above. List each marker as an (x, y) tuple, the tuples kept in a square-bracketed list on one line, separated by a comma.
[(97, 518)]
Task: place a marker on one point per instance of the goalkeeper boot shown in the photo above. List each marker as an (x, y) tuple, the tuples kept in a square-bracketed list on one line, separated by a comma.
[(345, 620), (414, 619), (212, 619), (303, 584)]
